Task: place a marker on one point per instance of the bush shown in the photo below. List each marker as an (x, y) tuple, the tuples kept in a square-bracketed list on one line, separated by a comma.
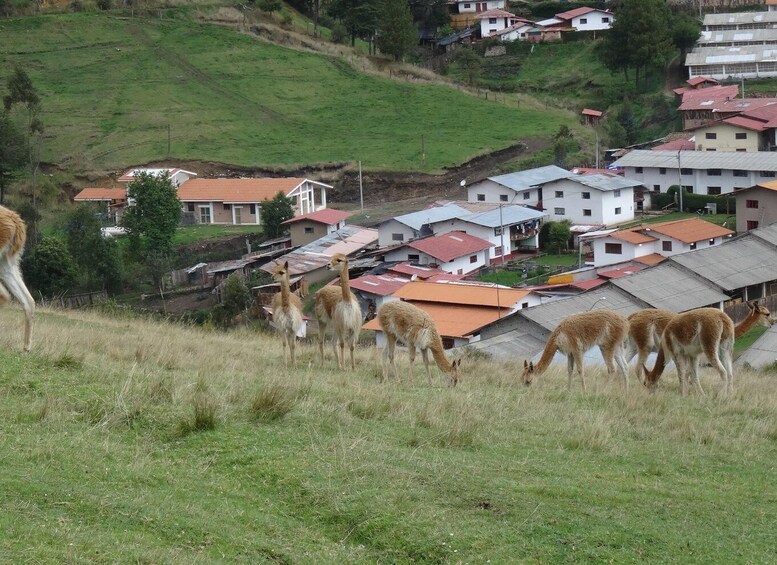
[(270, 5), (339, 33), (104, 4), (693, 202)]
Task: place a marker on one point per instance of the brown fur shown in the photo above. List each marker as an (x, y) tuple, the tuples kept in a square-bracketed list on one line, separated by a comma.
[(286, 311), (645, 329), (401, 321), (704, 330), (578, 333), (339, 307), (13, 234)]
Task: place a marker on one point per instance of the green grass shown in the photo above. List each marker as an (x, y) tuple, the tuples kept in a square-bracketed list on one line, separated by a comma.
[(128, 441), (111, 86), (191, 234)]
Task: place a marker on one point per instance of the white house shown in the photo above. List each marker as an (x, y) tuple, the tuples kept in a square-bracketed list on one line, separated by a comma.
[(454, 252), (599, 199), (177, 176), (699, 172), (470, 7), (407, 227), (492, 21), (587, 19), (664, 239)]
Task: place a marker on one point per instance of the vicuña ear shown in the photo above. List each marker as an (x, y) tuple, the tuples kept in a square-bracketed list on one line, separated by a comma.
[(286, 265), (531, 367), (525, 364)]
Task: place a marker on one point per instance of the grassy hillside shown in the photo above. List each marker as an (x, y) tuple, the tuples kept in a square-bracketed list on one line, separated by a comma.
[(112, 86), (129, 441)]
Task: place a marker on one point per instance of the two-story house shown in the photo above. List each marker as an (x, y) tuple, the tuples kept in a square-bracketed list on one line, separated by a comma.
[(756, 206), (454, 252), (309, 227)]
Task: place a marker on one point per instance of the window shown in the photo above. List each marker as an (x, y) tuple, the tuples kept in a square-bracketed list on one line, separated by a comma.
[(492, 20), (524, 304), (740, 173), (253, 209), (559, 194), (586, 212), (468, 6), (558, 211), (498, 231), (526, 195), (768, 174), (605, 20), (308, 230), (686, 172), (190, 206), (710, 149), (692, 246), (662, 170), (205, 214), (712, 241), (397, 237), (714, 190), (503, 198), (227, 206), (498, 251), (613, 248), (656, 188), (586, 195), (666, 245), (583, 21), (752, 224), (751, 204), (637, 169), (713, 172), (413, 257), (481, 197), (473, 258), (742, 135), (616, 193), (617, 211), (710, 135), (741, 150)]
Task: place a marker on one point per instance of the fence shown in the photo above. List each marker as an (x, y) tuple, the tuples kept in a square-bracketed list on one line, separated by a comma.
[(76, 300)]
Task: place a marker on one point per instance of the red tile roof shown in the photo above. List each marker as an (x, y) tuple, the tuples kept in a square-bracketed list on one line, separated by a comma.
[(650, 260), (457, 293), (618, 273), (98, 194), (568, 15), (676, 145), (452, 320), (494, 13), (689, 230), (235, 190), (450, 246), (328, 216), (700, 79), (421, 272), (589, 112), (382, 285), (589, 284), (633, 236)]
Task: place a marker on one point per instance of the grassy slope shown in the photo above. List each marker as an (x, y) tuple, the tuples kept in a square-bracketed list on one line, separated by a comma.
[(100, 464), (112, 85)]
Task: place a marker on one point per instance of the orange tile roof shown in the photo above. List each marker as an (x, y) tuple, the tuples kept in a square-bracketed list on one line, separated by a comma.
[(95, 193), (650, 260), (454, 321), (450, 246), (689, 230), (466, 294), (771, 185), (328, 216), (632, 236), (235, 190)]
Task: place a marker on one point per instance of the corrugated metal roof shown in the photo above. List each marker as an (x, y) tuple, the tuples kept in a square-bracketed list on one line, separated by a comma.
[(736, 36), (508, 216), (738, 18), (432, 215), (722, 55), (531, 177), (381, 285), (671, 287), (420, 271), (604, 182), (738, 263), (766, 233), (328, 216), (523, 343), (750, 161), (606, 297)]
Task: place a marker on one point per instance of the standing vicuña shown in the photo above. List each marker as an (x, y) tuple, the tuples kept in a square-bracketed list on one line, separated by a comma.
[(13, 234), (286, 311), (578, 333), (705, 330), (645, 330), (340, 307), (401, 321)]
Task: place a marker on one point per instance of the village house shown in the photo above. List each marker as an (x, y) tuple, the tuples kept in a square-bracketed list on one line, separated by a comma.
[(752, 129), (239, 201), (108, 201), (309, 227), (493, 21), (177, 176), (582, 19), (462, 12), (664, 238), (460, 309), (756, 206), (699, 172), (454, 252)]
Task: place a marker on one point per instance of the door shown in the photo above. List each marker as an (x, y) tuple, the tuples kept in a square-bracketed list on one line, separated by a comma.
[(238, 214)]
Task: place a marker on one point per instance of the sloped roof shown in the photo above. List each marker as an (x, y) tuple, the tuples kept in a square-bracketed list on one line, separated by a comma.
[(450, 246), (381, 285), (236, 190), (100, 194), (432, 215), (494, 13), (671, 287), (467, 294), (689, 230), (747, 161), (506, 216), (569, 14), (130, 174), (605, 182), (328, 216), (453, 320), (531, 177), (420, 271), (676, 145), (618, 273), (766, 233), (632, 236), (590, 112), (700, 79), (650, 260), (738, 263)]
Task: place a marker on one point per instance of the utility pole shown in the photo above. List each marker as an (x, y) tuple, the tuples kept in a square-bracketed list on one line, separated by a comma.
[(169, 139), (361, 188), (680, 179)]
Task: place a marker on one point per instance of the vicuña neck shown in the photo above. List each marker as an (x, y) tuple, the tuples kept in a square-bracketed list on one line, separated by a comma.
[(285, 291), (547, 354), (744, 326), (344, 283), (439, 355)]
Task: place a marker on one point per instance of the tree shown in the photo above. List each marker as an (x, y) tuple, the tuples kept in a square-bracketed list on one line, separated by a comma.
[(639, 38), (97, 257), (151, 220), (49, 268), (236, 300), (430, 13), (274, 212), (360, 17), (685, 32), (396, 34), (469, 63), (558, 235), (22, 92), (12, 153)]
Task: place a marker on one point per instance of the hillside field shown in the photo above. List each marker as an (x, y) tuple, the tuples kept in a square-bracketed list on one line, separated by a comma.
[(112, 86), (127, 440)]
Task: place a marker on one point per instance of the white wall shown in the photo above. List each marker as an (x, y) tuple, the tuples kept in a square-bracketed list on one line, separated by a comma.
[(631, 251), (472, 7), (602, 204), (492, 192), (594, 21), (390, 227), (698, 179), (460, 264)]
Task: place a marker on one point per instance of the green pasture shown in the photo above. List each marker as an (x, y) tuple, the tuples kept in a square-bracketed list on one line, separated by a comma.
[(116, 91), (127, 441)]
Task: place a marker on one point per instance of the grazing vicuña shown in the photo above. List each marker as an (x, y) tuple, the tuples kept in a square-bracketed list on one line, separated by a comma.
[(13, 234)]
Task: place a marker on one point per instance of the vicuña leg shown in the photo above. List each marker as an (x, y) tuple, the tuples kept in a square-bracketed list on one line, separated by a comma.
[(321, 336), (388, 356), (570, 370), (425, 355), (11, 275), (411, 356), (712, 355)]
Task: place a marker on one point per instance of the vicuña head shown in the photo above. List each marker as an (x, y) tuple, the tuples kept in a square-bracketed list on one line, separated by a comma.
[(280, 271), (338, 263), (762, 314)]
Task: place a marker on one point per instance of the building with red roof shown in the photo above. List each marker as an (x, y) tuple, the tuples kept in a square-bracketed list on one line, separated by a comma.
[(309, 227), (581, 19), (110, 201), (453, 252)]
